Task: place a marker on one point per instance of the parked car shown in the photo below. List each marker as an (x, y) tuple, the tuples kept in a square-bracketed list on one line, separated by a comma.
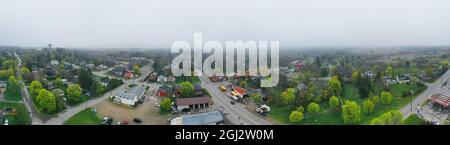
[(137, 120), (232, 102), (107, 121), (6, 122), (185, 110)]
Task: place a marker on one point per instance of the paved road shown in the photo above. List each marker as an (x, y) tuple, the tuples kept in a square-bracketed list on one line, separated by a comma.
[(69, 112), (26, 99), (431, 88), (235, 113)]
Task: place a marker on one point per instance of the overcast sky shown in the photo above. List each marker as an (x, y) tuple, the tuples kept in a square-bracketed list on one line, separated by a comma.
[(156, 24)]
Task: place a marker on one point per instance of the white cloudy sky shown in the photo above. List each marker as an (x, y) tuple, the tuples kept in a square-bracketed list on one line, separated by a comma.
[(295, 23)]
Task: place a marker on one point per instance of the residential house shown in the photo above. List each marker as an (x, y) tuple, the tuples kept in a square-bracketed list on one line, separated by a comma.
[(302, 87), (128, 74), (104, 81), (208, 118), (2, 87), (90, 66), (102, 67), (405, 78), (368, 74), (54, 62), (58, 92), (193, 103), (118, 71)]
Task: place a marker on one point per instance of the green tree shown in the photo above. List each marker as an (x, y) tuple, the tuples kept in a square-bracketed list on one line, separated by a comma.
[(334, 102), (288, 96), (97, 88), (35, 87), (444, 64), (136, 70), (368, 106), (296, 116), (313, 108), (24, 71), (187, 89), (9, 64), (166, 104), (86, 79), (355, 76), (375, 99), (389, 71), (243, 84), (386, 98), (46, 101), (58, 82), (256, 97), (389, 118), (300, 108), (74, 92), (351, 112), (13, 84), (335, 86)]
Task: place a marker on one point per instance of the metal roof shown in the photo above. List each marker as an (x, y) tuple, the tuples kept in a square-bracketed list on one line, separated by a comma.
[(203, 118), (193, 101)]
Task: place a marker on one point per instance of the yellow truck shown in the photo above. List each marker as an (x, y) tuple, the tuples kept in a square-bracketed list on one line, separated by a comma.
[(222, 88)]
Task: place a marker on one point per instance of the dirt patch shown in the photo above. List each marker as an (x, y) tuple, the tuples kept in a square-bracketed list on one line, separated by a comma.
[(148, 112)]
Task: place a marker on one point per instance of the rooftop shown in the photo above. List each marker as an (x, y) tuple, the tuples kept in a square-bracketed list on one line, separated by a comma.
[(192, 101), (442, 97), (240, 90), (137, 90), (127, 95), (208, 118)]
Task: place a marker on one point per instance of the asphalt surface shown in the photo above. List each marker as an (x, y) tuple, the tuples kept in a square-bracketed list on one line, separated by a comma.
[(237, 114), (423, 97)]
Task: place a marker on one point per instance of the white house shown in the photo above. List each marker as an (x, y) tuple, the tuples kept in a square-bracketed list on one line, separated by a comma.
[(131, 97), (54, 62)]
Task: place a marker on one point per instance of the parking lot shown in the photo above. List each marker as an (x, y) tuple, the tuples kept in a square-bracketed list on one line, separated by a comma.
[(147, 112), (434, 114)]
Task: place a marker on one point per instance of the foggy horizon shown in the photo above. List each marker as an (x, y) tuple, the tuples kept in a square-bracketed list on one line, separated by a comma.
[(157, 24)]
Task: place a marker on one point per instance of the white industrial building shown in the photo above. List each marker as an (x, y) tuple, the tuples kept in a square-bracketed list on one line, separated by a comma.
[(130, 97)]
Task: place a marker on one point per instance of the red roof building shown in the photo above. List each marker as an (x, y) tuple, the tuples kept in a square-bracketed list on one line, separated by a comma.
[(440, 99), (128, 74)]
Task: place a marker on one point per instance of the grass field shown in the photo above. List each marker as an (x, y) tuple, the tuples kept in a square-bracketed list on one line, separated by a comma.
[(413, 120), (85, 117), (12, 95), (328, 116), (22, 117), (325, 116)]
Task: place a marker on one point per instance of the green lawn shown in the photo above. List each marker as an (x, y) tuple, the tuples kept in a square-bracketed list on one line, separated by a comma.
[(12, 95), (325, 116), (413, 120), (85, 117), (328, 116), (349, 91), (22, 117)]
